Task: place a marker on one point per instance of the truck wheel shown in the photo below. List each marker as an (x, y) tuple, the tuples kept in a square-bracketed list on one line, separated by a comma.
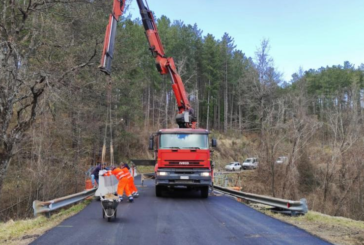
[(158, 191), (204, 192)]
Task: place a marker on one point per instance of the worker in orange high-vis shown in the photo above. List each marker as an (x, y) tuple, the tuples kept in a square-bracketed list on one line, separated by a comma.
[(132, 187), (123, 175)]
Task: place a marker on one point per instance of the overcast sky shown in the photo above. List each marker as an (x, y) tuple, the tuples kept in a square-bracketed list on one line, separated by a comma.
[(302, 33)]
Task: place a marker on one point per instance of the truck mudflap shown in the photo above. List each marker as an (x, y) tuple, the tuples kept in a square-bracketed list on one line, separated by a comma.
[(183, 177)]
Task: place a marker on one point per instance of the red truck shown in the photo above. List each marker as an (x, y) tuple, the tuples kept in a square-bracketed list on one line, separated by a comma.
[(182, 155), (183, 158)]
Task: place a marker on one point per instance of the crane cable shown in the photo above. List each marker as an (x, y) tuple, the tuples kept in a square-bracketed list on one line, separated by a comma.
[(108, 124)]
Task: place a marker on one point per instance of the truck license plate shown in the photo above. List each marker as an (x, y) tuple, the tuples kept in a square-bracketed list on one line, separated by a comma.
[(185, 177)]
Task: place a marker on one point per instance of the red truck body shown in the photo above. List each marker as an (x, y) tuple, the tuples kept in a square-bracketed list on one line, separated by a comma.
[(183, 159)]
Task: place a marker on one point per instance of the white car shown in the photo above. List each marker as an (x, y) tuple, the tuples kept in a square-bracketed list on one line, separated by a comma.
[(250, 163), (282, 160), (233, 166)]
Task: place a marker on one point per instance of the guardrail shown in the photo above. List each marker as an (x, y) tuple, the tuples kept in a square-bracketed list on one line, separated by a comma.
[(49, 206), (147, 176), (281, 205)]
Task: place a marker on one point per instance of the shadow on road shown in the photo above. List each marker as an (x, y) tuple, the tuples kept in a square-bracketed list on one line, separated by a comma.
[(181, 193)]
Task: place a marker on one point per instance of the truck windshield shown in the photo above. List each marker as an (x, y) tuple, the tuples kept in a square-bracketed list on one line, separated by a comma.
[(184, 141)]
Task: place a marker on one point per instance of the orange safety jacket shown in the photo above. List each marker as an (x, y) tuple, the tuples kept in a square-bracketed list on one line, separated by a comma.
[(119, 173)]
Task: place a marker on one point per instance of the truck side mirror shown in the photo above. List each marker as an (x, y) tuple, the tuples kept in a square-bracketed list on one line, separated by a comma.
[(213, 142), (151, 143)]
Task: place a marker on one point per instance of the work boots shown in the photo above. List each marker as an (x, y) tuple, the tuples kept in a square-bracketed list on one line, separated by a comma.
[(135, 194), (120, 198), (131, 199)]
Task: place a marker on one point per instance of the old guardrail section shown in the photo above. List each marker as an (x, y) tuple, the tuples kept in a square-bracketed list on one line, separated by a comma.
[(294, 207), (49, 206)]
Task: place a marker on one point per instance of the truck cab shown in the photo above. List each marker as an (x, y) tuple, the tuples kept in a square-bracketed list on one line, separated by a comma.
[(183, 159)]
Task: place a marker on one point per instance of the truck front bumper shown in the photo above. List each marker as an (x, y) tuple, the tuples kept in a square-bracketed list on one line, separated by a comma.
[(183, 177)]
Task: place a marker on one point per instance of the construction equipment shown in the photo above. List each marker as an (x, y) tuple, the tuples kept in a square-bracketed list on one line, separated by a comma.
[(109, 206), (107, 193), (182, 155)]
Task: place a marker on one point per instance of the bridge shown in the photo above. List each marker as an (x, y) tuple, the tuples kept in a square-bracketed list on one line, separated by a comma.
[(179, 217)]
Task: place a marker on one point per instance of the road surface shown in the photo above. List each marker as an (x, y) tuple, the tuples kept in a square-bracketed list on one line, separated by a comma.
[(177, 218)]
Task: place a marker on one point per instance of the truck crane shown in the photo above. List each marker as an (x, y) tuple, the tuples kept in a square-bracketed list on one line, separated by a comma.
[(182, 155)]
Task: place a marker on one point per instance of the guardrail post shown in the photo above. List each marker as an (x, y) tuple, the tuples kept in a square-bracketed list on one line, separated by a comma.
[(226, 181)]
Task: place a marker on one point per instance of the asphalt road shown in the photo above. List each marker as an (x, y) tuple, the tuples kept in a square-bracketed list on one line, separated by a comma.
[(178, 218)]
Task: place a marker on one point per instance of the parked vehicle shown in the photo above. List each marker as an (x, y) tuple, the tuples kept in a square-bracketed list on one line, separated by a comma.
[(282, 160), (250, 163), (233, 166)]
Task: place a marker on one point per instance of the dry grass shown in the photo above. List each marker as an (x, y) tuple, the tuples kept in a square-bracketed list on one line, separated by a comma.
[(337, 230), (25, 231), (145, 169)]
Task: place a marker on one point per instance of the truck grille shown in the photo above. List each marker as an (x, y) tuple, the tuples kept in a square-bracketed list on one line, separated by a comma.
[(184, 163)]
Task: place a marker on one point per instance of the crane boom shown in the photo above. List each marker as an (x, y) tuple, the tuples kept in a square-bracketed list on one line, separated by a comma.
[(109, 41), (165, 65)]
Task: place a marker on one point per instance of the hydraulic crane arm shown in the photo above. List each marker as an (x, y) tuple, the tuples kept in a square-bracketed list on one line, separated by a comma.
[(165, 65), (109, 41)]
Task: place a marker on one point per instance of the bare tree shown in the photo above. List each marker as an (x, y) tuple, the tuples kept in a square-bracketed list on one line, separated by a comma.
[(267, 81), (273, 133), (25, 73), (345, 129)]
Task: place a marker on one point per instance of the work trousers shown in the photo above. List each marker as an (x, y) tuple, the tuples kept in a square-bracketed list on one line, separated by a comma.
[(123, 185), (132, 186)]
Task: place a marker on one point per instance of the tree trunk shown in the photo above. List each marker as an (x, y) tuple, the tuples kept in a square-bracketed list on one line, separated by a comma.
[(208, 107), (231, 108), (147, 112), (153, 108), (218, 112), (197, 109), (225, 102), (165, 125), (4, 164), (240, 119)]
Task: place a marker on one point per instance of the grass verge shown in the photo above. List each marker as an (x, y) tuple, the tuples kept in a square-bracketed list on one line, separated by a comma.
[(23, 232), (337, 230)]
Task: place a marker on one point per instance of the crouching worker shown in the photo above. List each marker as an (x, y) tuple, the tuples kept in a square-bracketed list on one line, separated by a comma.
[(123, 175), (132, 187)]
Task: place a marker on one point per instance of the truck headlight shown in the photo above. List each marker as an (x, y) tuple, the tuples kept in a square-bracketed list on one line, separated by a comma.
[(162, 173), (206, 174)]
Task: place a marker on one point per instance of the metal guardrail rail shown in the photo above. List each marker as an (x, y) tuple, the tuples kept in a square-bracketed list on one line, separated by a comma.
[(280, 205), (49, 206), (287, 206), (147, 176)]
